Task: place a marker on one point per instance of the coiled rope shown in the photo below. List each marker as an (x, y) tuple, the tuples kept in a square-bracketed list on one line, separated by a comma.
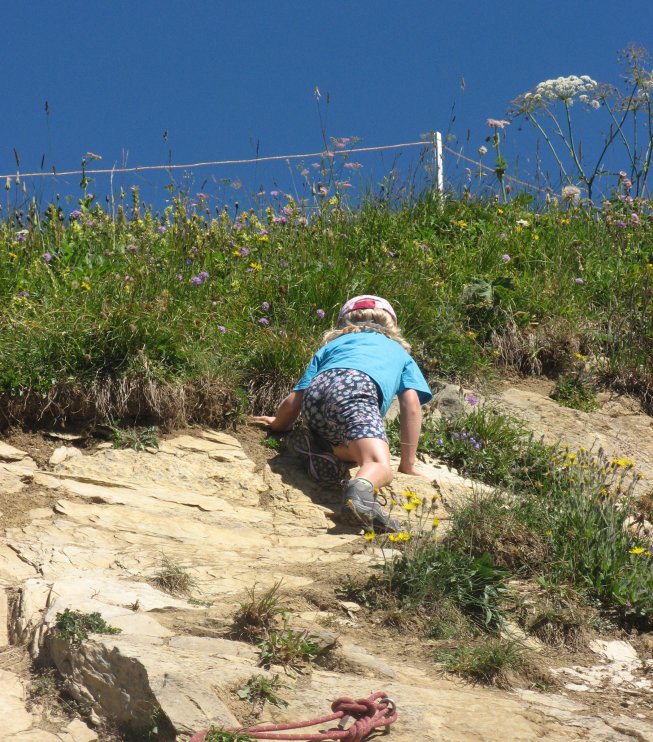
[(369, 713)]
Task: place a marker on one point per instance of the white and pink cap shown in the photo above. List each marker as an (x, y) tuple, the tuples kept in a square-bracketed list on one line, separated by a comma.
[(367, 301)]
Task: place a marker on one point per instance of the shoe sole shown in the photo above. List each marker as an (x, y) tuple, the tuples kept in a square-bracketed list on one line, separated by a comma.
[(300, 445), (369, 518)]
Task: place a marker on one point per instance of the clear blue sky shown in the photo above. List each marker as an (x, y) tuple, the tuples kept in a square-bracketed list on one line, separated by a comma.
[(222, 77)]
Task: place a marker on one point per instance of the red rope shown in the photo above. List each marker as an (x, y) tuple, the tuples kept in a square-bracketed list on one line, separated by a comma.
[(369, 714)]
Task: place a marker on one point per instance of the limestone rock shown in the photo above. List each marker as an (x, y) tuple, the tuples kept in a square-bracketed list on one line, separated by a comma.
[(9, 453)]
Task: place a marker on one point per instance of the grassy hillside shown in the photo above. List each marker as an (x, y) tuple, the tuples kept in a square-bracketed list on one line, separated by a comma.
[(191, 314)]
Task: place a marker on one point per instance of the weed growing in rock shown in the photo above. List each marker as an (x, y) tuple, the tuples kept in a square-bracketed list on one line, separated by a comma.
[(260, 690), (257, 616), (215, 734), (75, 626), (173, 578), (137, 440), (289, 648), (493, 663), (574, 391), (273, 443)]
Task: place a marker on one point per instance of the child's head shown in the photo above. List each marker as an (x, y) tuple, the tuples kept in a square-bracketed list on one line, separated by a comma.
[(367, 308), (367, 313)]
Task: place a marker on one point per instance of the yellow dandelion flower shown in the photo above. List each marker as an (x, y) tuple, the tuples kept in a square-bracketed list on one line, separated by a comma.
[(399, 537), (86, 285), (256, 266), (435, 522), (409, 494), (624, 462), (461, 224), (571, 456), (236, 253), (12, 255), (369, 536), (499, 211), (263, 238), (636, 550), (536, 237), (409, 506), (548, 533)]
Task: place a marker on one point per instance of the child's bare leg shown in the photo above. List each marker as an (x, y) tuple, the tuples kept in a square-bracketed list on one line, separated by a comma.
[(372, 456)]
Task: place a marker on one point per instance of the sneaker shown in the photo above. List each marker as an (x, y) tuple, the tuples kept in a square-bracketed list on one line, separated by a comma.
[(321, 464), (360, 503)]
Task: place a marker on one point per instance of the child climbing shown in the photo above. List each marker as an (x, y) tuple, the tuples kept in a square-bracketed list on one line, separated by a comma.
[(343, 396)]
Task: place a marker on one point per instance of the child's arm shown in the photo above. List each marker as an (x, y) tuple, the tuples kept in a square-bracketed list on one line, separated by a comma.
[(410, 411), (286, 415)]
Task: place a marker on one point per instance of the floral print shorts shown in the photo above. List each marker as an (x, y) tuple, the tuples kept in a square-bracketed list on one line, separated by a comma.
[(342, 405)]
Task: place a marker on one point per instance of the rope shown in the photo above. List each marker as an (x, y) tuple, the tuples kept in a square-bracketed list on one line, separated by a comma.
[(271, 158), (369, 713)]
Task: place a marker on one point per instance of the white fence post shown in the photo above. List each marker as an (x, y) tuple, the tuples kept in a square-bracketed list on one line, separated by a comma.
[(439, 172)]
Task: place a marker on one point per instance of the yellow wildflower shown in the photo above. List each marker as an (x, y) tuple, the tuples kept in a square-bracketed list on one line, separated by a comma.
[(409, 506), (536, 237), (499, 211), (435, 522), (461, 224), (399, 537), (256, 266), (624, 462), (565, 221), (637, 550), (409, 494), (471, 334), (263, 238), (13, 255), (236, 253), (86, 285), (369, 536)]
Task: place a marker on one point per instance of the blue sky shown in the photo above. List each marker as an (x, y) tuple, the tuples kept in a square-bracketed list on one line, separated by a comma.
[(226, 80)]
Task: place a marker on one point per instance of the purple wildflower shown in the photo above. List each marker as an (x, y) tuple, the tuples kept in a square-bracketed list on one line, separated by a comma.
[(244, 251), (20, 237), (46, 257), (634, 219), (463, 435), (162, 229), (203, 275), (505, 258), (305, 172), (279, 220), (472, 399), (222, 329), (264, 321), (315, 165), (287, 211), (579, 281), (477, 446), (75, 214), (263, 232), (196, 281), (274, 193), (265, 306), (620, 223), (440, 442), (320, 313), (129, 279), (23, 294)]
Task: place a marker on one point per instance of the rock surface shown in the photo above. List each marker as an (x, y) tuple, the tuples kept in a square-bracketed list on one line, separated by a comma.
[(202, 503)]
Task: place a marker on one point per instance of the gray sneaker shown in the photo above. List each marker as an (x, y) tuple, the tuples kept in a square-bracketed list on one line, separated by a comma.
[(359, 503)]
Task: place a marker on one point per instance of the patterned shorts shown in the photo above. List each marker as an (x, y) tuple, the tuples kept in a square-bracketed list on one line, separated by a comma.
[(342, 405)]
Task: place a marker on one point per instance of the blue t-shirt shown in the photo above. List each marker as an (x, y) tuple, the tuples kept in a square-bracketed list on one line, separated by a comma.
[(382, 359)]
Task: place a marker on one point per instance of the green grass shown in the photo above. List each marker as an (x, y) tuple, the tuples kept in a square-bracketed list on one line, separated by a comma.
[(113, 302)]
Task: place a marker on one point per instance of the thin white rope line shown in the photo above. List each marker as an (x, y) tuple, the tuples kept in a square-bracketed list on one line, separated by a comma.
[(488, 169), (141, 168)]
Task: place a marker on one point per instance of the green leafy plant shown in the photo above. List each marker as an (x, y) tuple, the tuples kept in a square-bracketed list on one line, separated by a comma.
[(214, 734), (575, 392), (289, 647), (260, 690), (137, 440), (75, 626)]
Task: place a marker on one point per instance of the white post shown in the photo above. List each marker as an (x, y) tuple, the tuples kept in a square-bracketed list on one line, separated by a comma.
[(439, 173)]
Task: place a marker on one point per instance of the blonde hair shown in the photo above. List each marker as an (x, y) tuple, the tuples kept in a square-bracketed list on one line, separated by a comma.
[(367, 320)]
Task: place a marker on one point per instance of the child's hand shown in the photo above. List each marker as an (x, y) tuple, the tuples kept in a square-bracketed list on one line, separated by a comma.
[(265, 420)]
